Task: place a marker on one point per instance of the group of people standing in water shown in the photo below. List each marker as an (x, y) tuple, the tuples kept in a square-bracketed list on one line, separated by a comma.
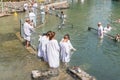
[(52, 52), (102, 31)]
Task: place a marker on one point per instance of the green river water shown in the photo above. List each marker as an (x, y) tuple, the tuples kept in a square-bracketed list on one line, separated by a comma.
[(100, 59)]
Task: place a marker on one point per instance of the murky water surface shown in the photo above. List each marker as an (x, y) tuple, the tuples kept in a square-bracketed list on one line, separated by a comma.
[(99, 58)]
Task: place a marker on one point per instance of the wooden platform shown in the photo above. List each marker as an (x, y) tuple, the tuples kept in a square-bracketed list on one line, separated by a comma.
[(30, 49)]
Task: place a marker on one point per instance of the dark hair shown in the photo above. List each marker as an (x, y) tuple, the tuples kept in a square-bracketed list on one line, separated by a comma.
[(67, 36), (61, 12), (48, 33), (52, 34)]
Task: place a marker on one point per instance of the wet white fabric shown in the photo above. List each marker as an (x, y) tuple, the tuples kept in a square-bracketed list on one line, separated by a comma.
[(65, 51), (32, 17), (100, 32), (106, 29), (53, 53), (27, 31), (42, 48)]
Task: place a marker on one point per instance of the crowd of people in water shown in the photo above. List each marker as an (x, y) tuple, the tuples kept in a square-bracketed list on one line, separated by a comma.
[(103, 31)]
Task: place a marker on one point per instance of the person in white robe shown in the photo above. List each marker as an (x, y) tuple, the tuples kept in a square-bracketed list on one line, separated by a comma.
[(28, 29), (34, 7), (66, 49), (42, 13), (100, 30), (43, 40), (53, 50), (32, 17), (25, 6), (107, 28)]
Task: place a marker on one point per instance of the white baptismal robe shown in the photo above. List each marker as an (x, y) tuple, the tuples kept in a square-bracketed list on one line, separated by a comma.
[(32, 17), (100, 32), (42, 47), (65, 51), (106, 29), (27, 31), (53, 53)]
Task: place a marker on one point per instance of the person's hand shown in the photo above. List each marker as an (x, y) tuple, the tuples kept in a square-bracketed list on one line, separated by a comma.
[(73, 49)]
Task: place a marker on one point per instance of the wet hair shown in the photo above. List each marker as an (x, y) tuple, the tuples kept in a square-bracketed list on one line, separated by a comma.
[(67, 36), (52, 34)]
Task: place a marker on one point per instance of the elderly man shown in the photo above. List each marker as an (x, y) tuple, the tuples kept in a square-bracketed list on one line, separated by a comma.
[(28, 29)]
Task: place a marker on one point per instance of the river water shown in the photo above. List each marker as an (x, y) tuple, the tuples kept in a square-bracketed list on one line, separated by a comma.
[(99, 58)]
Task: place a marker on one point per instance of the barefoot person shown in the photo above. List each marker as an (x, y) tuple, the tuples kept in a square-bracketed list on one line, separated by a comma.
[(66, 48), (28, 29)]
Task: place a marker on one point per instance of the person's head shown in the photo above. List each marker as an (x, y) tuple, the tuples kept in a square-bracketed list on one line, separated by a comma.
[(27, 20), (66, 36), (52, 35), (99, 24), (61, 12), (108, 25), (118, 35), (48, 33)]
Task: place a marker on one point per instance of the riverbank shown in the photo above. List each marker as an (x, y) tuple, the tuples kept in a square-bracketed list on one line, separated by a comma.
[(4, 14)]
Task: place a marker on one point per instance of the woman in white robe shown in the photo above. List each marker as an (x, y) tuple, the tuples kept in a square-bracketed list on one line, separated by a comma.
[(53, 52), (42, 46), (66, 48)]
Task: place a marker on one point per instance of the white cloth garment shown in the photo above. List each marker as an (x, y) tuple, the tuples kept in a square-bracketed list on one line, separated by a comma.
[(53, 53), (65, 51), (34, 8), (42, 48), (100, 32), (27, 31), (107, 29), (25, 6), (32, 17)]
